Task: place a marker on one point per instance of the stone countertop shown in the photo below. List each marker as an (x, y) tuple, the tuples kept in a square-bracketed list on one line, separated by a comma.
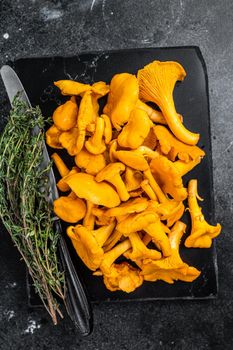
[(38, 28)]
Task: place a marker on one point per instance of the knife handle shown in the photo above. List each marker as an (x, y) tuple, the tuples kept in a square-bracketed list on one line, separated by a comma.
[(78, 305)]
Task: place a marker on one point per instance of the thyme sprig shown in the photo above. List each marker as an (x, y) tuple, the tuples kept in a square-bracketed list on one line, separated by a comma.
[(24, 205)]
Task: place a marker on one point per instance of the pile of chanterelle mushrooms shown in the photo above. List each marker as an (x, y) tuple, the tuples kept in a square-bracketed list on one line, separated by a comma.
[(125, 194)]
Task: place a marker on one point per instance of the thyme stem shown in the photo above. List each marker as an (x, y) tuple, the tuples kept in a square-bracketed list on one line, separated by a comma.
[(24, 206)]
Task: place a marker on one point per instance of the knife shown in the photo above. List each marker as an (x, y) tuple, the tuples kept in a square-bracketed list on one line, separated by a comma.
[(77, 303)]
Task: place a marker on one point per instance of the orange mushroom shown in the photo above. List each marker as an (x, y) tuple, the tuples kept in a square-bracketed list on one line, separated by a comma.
[(170, 268), (202, 233), (156, 84), (122, 98), (173, 148), (65, 115)]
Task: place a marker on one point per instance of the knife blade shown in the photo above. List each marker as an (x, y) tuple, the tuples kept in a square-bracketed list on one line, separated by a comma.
[(77, 303)]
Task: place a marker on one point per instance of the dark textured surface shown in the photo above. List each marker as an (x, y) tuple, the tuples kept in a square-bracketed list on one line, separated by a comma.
[(37, 28)]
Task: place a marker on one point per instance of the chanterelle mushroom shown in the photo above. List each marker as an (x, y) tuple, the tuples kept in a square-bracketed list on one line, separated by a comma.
[(107, 129), (60, 165), (86, 119), (169, 174), (68, 140), (88, 243), (174, 148), (63, 171), (69, 209), (156, 84), (170, 268), (111, 173), (132, 179), (65, 115), (136, 130), (89, 219), (85, 186), (131, 206), (52, 137), (95, 144), (120, 276), (149, 222), (69, 87), (62, 185), (202, 233), (132, 159), (154, 115), (91, 163), (139, 251), (122, 98), (123, 277)]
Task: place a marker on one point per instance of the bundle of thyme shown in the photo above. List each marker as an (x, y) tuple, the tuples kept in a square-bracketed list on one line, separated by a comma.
[(24, 205)]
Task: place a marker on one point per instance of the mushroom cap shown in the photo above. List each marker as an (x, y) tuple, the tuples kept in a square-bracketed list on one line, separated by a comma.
[(132, 159), (86, 246), (156, 84), (92, 163), (52, 137), (70, 87), (69, 209), (85, 186), (136, 130), (123, 277), (68, 140), (131, 206), (168, 177), (65, 115), (136, 222), (173, 148), (172, 267), (110, 171), (132, 179), (122, 98), (100, 88), (162, 76)]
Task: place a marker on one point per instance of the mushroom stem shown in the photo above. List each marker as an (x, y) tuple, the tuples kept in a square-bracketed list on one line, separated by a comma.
[(148, 190), (102, 234), (113, 254), (192, 198), (176, 126), (147, 239), (112, 240), (89, 219), (176, 234), (107, 129), (155, 116), (139, 250), (112, 150), (117, 182), (95, 144), (202, 232), (62, 185), (159, 237), (61, 166), (159, 193)]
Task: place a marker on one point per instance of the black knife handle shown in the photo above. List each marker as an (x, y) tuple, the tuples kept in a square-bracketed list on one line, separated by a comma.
[(78, 305)]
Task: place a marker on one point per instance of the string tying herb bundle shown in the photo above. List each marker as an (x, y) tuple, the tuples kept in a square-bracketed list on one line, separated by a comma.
[(24, 205)]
